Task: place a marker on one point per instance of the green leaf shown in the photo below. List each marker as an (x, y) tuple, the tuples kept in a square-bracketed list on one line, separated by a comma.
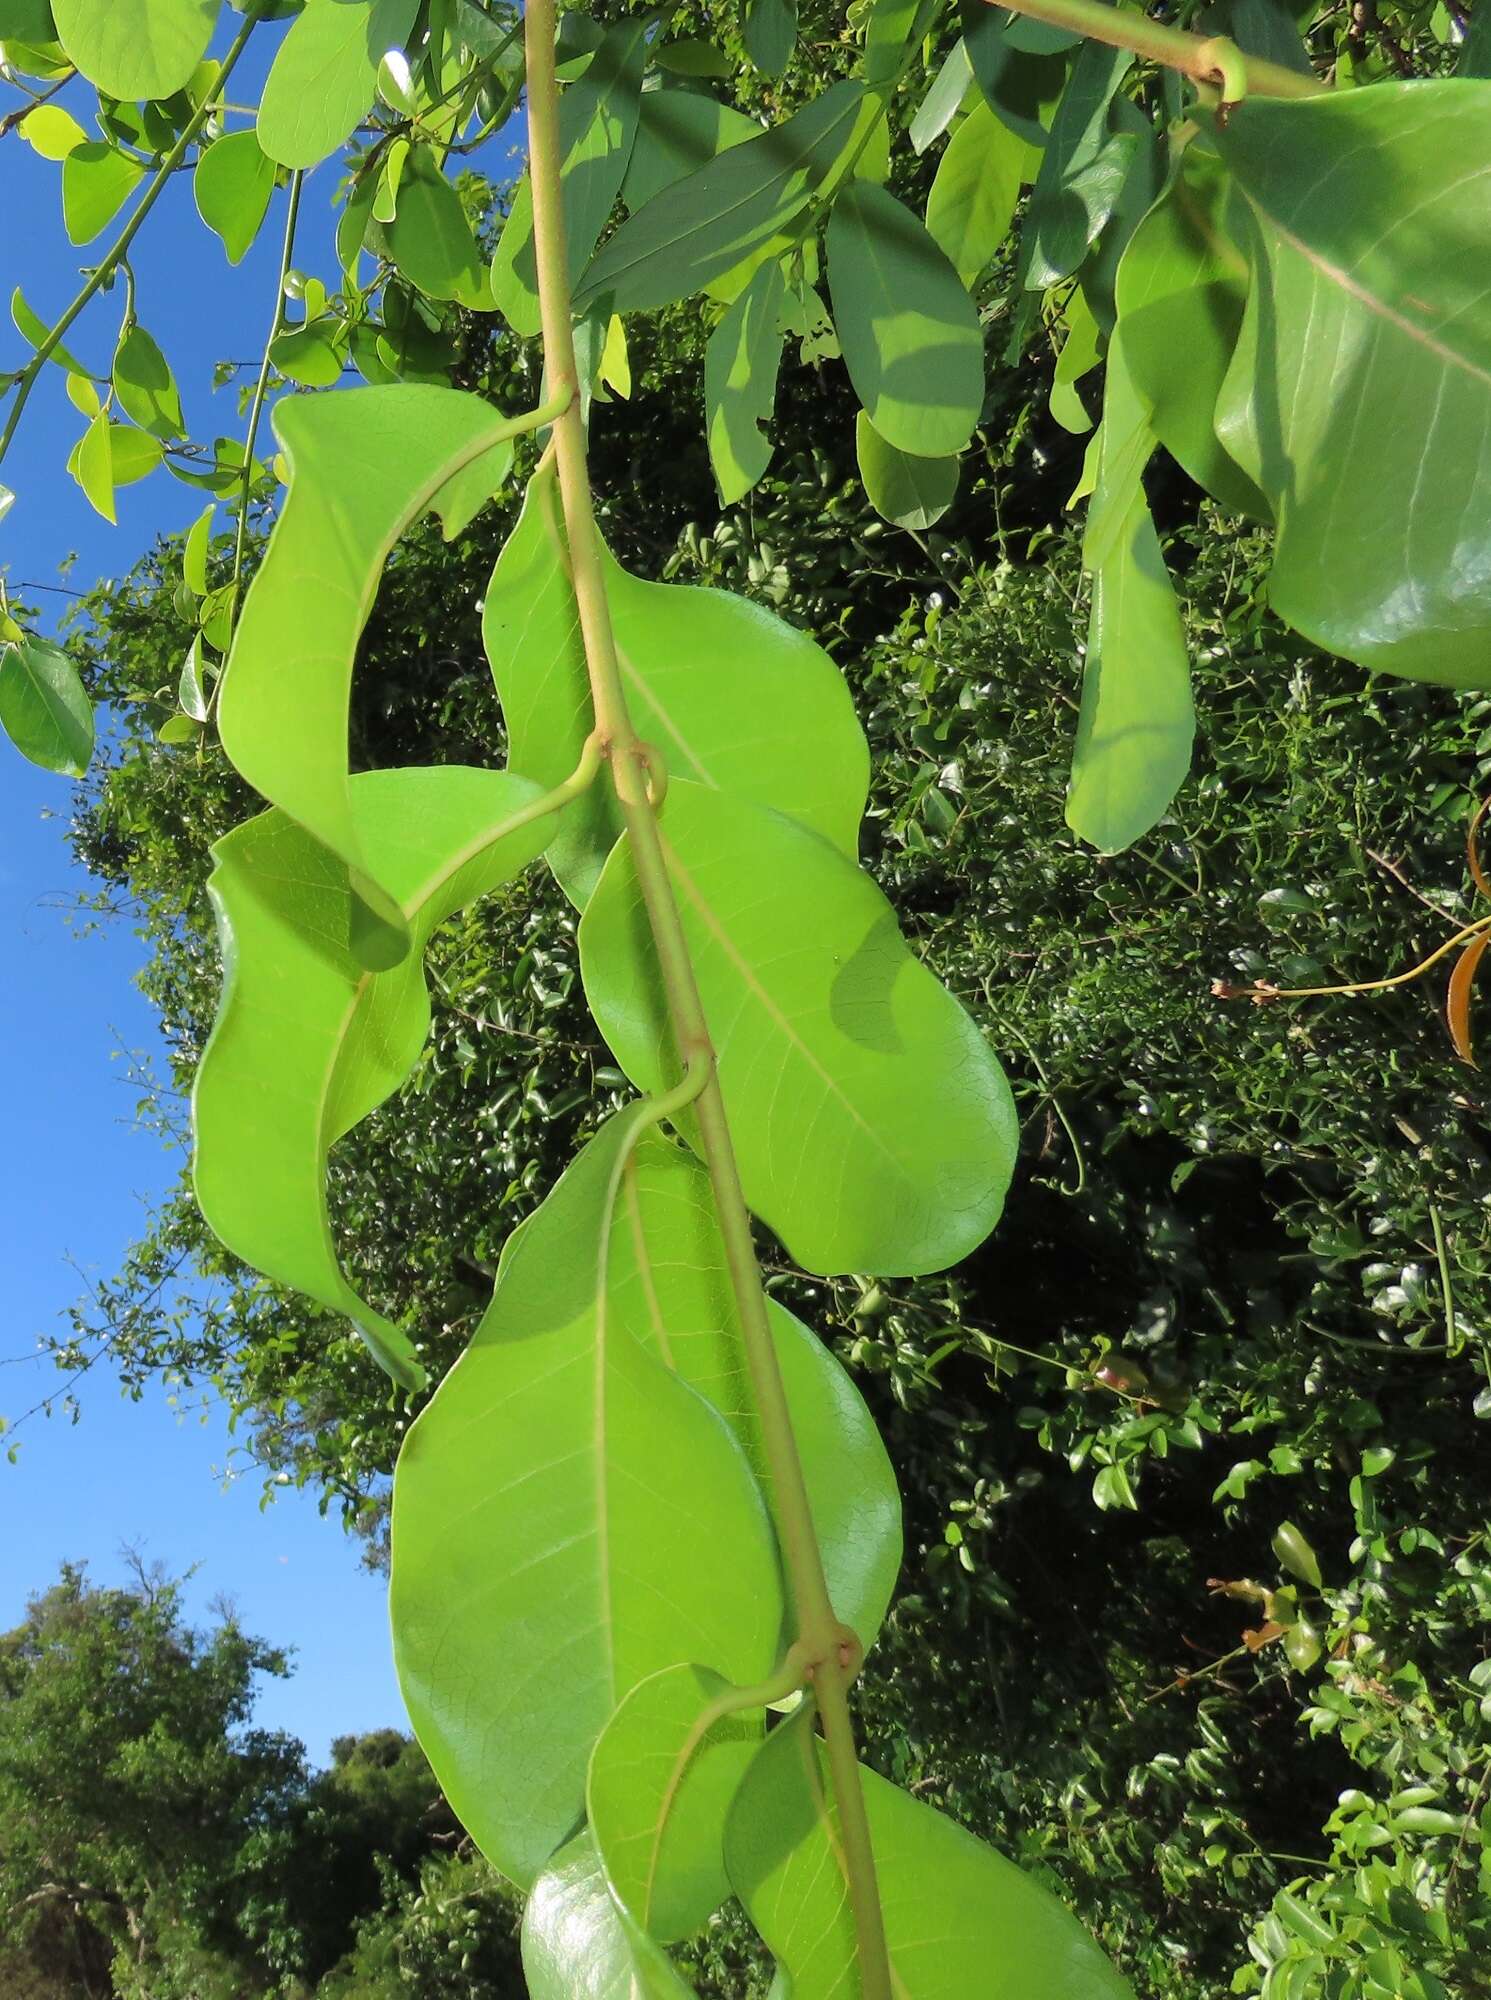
[(233, 181), (874, 1128), (913, 492), (97, 180), (1136, 724), (35, 330), (190, 691), (702, 226), (310, 354), (740, 383), (973, 197), (133, 454), (908, 328), (599, 1499), (324, 75), (691, 57), (430, 239), (1475, 55), (769, 31), (719, 728), (1080, 354), (890, 28), (307, 1041), (577, 1945), (179, 729), (1383, 551), (597, 126), (959, 1918), (51, 131), (145, 386), (43, 707), (1182, 286), (136, 48), (27, 21), (943, 101), (364, 465), (679, 131), (1295, 1553), (671, 1285), (1021, 89), (1082, 170), (195, 549), (92, 465), (662, 1776)]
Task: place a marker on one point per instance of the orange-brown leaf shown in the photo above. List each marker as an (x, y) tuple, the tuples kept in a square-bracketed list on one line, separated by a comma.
[(1457, 1003)]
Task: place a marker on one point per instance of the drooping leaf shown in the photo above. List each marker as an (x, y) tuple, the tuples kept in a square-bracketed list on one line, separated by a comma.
[(908, 328), (363, 466), (702, 226), (740, 383), (310, 354), (959, 1918), (92, 465), (195, 550), (1182, 287), (942, 102), (233, 181), (769, 31), (1457, 1003), (136, 48), (1080, 354), (1384, 527), (577, 1945), (973, 197), (430, 239), (679, 131), (324, 75), (1082, 170), (913, 492), (1136, 724), (874, 1127), (890, 27), (718, 727), (599, 1499), (133, 454), (97, 180), (1296, 1554), (191, 690), (307, 1041), (661, 1779), (34, 329), (671, 1284), (145, 386), (44, 709)]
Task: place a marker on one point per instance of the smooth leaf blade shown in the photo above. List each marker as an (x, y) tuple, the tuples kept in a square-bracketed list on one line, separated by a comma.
[(44, 709), (908, 328), (307, 1041), (231, 185), (717, 726), (363, 466), (977, 185), (603, 1504), (324, 75), (145, 386), (959, 1918), (430, 239), (913, 492), (136, 48), (1367, 216), (577, 1945), (874, 1127), (740, 384), (97, 180)]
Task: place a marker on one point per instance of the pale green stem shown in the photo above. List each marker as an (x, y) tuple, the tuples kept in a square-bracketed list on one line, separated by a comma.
[(102, 273), (829, 1653), (1208, 60)]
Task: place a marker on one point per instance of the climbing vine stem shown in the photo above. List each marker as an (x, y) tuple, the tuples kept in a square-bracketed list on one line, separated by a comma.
[(829, 1653)]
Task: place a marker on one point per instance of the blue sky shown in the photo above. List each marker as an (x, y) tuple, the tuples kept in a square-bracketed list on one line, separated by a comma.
[(75, 1175)]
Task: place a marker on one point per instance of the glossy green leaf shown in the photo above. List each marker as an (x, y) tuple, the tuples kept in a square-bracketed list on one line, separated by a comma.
[(136, 48), (672, 1287), (310, 355), (943, 101), (195, 551), (430, 239), (874, 1128), (34, 329), (145, 387), (1296, 1554), (1082, 170), (364, 465), (913, 492), (324, 75), (597, 1497), (702, 226), (662, 1776), (720, 728), (97, 180), (307, 1041), (43, 707), (1182, 287), (191, 689), (973, 197), (960, 1920), (92, 465), (233, 181), (769, 31), (577, 1945), (1136, 724), (1368, 222), (908, 328), (679, 131), (740, 383), (597, 126)]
